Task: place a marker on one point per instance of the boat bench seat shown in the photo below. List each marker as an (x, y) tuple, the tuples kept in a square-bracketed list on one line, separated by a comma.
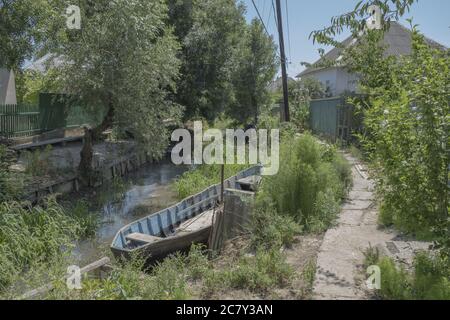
[(250, 183), (142, 238)]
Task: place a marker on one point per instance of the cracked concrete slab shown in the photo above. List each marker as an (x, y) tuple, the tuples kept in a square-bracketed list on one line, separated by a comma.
[(342, 250)]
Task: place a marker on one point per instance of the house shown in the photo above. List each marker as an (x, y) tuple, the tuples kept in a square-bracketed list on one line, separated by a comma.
[(277, 85), (7, 87), (337, 80)]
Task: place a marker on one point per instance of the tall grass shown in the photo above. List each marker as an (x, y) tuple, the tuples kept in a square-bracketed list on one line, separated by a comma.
[(33, 236), (430, 279), (10, 184), (197, 180), (38, 162), (310, 185)]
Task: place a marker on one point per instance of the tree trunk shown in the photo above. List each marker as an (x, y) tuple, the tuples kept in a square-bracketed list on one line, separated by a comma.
[(85, 167), (91, 136), (106, 123)]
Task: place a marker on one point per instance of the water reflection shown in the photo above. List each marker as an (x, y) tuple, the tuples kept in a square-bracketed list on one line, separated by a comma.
[(141, 193)]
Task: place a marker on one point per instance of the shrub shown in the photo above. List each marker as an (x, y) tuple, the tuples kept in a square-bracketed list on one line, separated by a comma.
[(88, 221), (310, 184), (267, 269), (269, 229), (407, 137), (33, 236), (10, 184), (429, 281), (202, 177), (37, 162)]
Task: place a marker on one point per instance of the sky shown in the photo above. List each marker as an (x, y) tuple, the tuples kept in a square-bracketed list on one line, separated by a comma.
[(304, 16)]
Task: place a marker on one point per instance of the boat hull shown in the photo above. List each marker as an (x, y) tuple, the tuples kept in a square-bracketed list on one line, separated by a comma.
[(163, 228), (160, 250)]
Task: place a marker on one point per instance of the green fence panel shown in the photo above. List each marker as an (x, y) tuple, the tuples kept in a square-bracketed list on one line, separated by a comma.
[(19, 120), (324, 116), (53, 112)]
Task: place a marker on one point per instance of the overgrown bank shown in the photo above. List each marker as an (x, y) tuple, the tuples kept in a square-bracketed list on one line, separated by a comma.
[(255, 264)]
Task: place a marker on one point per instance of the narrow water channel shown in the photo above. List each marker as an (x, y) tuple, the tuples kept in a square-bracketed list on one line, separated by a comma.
[(137, 195)]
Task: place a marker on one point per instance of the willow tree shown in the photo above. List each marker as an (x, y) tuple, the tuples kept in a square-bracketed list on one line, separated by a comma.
[(21, 23), (123, 60)]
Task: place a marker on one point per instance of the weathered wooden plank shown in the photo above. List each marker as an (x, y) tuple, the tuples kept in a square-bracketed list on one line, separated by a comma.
[(142, 238), (46, 142), (48, 287), (250, 183)]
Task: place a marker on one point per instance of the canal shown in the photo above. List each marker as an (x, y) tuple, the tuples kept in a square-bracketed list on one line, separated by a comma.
[(123, 201)]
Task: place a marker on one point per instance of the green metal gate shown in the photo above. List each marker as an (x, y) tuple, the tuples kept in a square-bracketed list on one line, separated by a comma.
[(331, 118)]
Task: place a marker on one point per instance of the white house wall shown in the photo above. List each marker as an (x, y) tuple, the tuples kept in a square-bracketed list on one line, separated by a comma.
[(346, 82), (7, 87), (328, 77), (337, 79)]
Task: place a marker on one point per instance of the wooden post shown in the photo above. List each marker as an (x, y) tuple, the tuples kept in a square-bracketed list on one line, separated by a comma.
[(222, 182), (285, 116)]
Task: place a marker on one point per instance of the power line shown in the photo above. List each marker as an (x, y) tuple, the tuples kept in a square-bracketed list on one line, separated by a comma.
[(270, 16), (289, 31), (275, 15), (260, 18)]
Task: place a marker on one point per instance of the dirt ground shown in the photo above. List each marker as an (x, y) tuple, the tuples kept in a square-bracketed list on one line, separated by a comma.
[(300, 256)]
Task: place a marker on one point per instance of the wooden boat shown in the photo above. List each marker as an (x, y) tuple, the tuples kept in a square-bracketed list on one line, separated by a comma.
[(178, 227)]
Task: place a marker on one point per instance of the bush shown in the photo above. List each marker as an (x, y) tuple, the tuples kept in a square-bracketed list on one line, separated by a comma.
[(204, 176), (10, 184), (88, 221), (269, 229), (310, 185), (38, 163), (30, 237), (262, 272), (266, 270), (407, 138), (429, 281)]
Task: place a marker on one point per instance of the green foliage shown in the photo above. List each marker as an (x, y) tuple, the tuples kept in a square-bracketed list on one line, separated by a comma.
[(256, 66), (124, 60), (202, 177), (32, 236), (269, 229), (300, 94), (262, 272), (265, 270), (209, 48), (38, 163), (395, 282), (10, 184), (89, 222), (20, 35), (407, 137), (30, 83), (309, 274), (429, 281), (310, 184)]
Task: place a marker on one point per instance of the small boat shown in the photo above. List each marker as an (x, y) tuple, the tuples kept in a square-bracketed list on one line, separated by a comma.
[(176, 228)]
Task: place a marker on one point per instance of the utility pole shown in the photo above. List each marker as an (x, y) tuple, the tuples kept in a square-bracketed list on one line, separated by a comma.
[(287, 117)]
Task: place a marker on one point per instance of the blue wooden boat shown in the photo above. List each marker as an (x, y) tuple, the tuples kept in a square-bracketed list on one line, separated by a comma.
[(176, 228)]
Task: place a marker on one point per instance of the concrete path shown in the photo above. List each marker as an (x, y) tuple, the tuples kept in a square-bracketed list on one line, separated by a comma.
[(341, 254)]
